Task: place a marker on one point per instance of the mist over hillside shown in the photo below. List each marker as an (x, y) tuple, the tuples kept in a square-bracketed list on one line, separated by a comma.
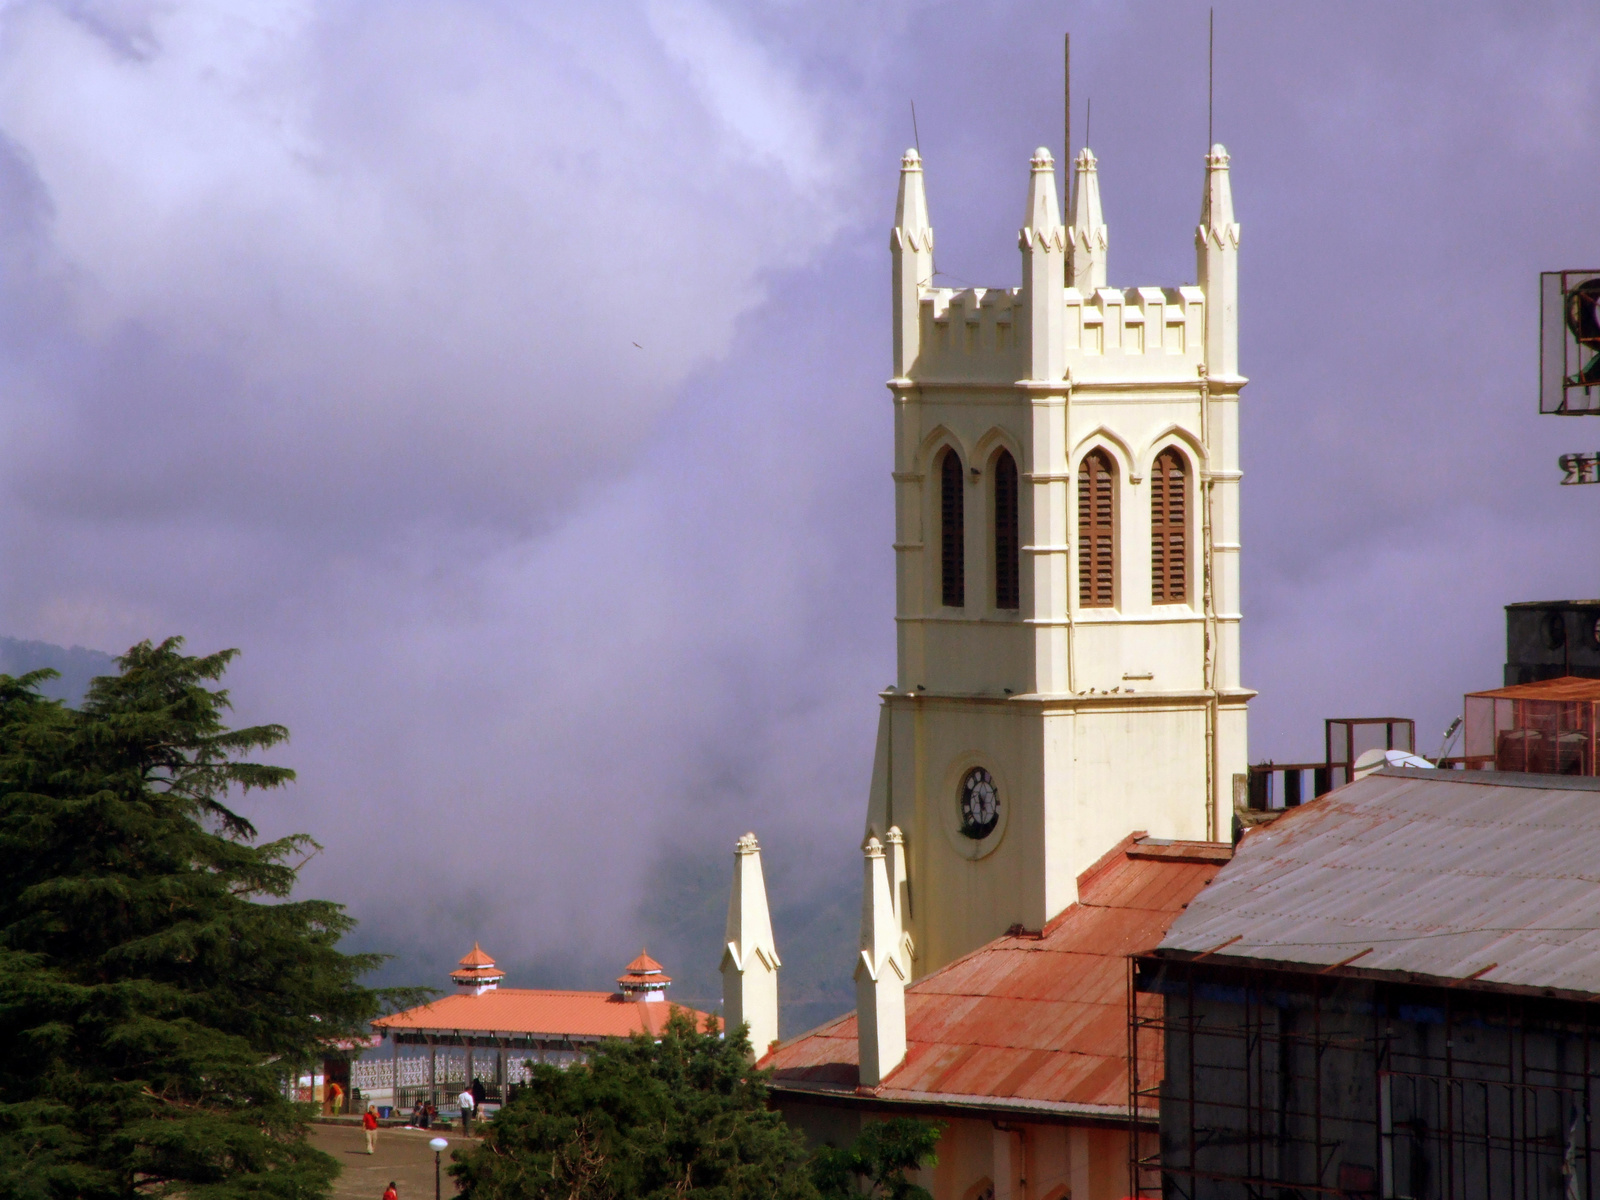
[(815, 907), (816, 918), (77, 665)]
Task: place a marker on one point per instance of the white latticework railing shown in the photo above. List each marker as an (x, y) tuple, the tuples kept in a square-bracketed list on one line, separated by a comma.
[(378, 1073)]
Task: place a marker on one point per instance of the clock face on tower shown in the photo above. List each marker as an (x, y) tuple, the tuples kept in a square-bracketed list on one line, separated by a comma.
[(979, 804)]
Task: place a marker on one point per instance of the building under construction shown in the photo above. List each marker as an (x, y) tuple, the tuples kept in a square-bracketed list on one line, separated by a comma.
[(1388, 993)]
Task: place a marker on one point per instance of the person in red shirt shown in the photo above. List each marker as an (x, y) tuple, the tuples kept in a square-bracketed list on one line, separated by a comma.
[(369, 1122), (389, 1193)]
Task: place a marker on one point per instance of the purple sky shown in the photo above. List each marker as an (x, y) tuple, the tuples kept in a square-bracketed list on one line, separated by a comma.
[(317, 338)]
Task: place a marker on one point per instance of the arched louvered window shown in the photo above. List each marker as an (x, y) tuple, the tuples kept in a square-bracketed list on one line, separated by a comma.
[(1097, 517), (1169, 529), (1007, 576), (952, 531)]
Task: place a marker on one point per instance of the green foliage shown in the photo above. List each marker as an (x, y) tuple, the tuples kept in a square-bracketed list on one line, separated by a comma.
[(684, 1117), (880, 1162), (155, 978)]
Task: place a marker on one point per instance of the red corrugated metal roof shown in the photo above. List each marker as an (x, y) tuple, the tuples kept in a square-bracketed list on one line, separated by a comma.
[(536, 1013), (1035, 1017)]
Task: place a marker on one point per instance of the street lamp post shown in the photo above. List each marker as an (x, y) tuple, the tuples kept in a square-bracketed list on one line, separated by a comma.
[(438, 1145)]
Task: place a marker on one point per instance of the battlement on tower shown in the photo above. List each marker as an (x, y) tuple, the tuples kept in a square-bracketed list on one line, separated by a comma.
[(1064, 323), (1139, 333)]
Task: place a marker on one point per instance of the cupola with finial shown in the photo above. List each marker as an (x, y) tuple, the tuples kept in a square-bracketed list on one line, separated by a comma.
[(476, 972), (644, 980)]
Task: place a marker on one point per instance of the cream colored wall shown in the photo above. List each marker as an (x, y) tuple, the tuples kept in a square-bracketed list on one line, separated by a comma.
[(1041, 696), (1029, 1162), (1024, 1161)]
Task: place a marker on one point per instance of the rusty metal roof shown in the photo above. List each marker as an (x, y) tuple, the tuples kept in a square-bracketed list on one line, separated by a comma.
[(1457, 875), (528, 1012), (1037, 1020)]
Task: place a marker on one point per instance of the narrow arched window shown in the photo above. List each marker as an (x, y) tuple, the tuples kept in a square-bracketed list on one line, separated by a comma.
[(1169, 529), (1097, 514), (1007, 575), (952, 531)]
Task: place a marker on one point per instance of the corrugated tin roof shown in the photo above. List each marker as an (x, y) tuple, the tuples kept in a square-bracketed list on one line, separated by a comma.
[(1452, 874), (1036, 1019), (528, 1012)]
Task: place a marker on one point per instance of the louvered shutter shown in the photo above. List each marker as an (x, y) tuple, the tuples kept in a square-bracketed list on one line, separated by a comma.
[(1169, 529), (1007, 567), (1096, 531), (952, 531)]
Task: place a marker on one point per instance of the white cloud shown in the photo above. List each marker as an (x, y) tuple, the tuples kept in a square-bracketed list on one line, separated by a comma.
[(395, 257)]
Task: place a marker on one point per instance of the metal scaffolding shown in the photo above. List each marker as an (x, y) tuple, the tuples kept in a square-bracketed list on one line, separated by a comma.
[(1289, 1083)]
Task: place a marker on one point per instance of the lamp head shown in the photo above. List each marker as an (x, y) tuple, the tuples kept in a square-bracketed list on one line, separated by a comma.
[(438, 1144)]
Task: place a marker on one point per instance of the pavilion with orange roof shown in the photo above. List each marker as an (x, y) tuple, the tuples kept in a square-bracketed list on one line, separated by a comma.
[(487, 1031)]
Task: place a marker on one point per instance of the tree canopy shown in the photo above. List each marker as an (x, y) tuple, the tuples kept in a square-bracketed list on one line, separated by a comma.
[(685, 1117), (156, 978)]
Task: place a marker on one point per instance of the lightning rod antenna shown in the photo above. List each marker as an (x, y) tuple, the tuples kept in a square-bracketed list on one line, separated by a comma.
[(1088, 120), (1211, 71), (1066, 108), (915, 136)]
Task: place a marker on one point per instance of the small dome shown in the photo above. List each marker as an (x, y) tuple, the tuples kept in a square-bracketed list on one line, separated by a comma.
[(476, 971), (643, 965), (644, 979)]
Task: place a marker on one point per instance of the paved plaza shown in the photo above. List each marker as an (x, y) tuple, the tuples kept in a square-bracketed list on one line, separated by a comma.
[(402, 1155)]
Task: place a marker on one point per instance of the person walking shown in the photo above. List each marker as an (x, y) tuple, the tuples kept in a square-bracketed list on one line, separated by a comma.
[(389, 1192), (369, 1122), (335, 1097), (468, 1102)]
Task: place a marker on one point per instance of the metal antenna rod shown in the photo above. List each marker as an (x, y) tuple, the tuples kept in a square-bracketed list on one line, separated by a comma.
[(1088, 120), (917, 137), (1066, 76), (1211, 71)]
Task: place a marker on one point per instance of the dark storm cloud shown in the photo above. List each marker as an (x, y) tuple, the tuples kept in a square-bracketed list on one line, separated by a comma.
[(318, 327)]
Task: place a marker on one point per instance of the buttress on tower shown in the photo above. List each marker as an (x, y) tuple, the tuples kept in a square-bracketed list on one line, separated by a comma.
[(1067, 567)]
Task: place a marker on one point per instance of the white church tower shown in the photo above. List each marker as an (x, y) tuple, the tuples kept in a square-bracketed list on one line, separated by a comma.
[(1067, 547)]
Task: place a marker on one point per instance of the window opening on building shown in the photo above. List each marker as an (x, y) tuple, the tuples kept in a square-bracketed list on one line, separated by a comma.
[(1007, 572), (1169, 529), (952, 531), (1096, 531)]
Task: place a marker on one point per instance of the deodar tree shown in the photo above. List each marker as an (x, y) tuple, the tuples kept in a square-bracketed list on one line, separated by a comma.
[(157, 980), (684, 1117)]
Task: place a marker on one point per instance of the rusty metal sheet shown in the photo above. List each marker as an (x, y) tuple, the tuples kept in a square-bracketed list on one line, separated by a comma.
[(1038, 1017), (1455, 875)]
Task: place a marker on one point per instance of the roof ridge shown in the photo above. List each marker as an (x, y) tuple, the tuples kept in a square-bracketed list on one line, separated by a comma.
[(1100, 864)]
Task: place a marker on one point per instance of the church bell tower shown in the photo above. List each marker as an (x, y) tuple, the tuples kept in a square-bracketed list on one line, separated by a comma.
[(1067, 567)]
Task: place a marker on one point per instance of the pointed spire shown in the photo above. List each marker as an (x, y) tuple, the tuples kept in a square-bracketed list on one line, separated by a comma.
[(1088, 237), (1216, 243), (911, 209), (1043, 241), (1043, 216), (750, 955), (899, 895), (911, 248), (1216, 205), (880, 983)]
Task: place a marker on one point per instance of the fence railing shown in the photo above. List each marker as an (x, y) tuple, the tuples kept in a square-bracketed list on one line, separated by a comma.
[(1286, 785)]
